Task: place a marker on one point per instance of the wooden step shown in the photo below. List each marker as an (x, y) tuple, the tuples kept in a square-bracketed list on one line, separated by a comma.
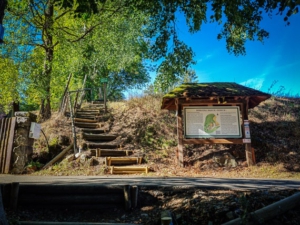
[(93, 131), (99, 137), (128, 170), (87, 112), (90, 117), (110, 152), (102, 145), (98, 102), (86, 125), (84, 120), (122, 160)]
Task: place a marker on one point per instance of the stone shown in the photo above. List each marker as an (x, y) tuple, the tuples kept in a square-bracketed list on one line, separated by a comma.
[(83, 158), (19, 159)]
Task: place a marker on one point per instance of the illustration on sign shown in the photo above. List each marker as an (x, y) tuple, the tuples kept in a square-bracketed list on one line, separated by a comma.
[(208, 122), (211, 123)]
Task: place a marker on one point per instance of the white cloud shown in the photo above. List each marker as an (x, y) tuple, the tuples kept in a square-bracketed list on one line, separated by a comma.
[(255, 83), (208, 56)]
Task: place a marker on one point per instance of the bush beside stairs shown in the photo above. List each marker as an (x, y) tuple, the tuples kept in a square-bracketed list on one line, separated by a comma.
[(90, 119)]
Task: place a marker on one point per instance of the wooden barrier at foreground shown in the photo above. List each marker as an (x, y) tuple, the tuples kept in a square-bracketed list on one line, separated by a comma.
[(7, 129), (69, 196)]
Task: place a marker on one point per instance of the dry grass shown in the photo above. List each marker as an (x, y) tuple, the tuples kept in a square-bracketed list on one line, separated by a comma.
[(151, 132)]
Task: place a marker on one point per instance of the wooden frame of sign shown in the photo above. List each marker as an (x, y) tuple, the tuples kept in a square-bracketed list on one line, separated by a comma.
[(210, 102)]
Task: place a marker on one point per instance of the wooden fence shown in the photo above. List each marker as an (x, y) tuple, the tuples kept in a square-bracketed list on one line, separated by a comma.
[(7, 130)]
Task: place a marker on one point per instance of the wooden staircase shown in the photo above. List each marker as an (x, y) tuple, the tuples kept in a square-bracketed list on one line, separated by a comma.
[(90, 119)]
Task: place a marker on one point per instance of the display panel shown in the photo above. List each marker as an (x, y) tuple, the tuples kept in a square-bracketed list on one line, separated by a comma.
[(212, 122)]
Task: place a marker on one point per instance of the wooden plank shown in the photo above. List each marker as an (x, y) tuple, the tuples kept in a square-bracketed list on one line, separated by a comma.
[(14, 195), (3, 145), (104, 145), (248, 150), (127, 197), (108, 152), (3, 220), (1, 137), (99, 137), (6, 139), (166, 217), (86, 125), (122, 160), (180, 136), (10, 145), (128, 170), (212, 141), (93, 131), (84, 120), (58, 157), (208, 100), (134, 196)]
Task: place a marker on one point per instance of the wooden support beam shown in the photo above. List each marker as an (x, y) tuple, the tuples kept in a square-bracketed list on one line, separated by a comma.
[(122, 160), (134, 196), (58, 157), (212, 141), (3, 220), (166, 217), (127, 197), (14, 195), (250, 157), (128, 170), (180, 147), (10, 144)]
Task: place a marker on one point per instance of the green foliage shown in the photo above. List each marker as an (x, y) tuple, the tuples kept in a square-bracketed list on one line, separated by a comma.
[(103, 38), (8, 83)]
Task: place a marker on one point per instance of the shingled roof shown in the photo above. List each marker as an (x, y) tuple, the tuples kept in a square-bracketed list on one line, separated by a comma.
[(215, 89)]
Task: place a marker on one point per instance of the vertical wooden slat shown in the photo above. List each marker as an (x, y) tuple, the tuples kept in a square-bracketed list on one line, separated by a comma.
[(3, 144), (179, 135), (249, 154), (1, 139), (127, 197), (14, 195), (10, 144)]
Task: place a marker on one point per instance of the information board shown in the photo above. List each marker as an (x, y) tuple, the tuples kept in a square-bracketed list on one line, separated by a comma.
[(212, 122)]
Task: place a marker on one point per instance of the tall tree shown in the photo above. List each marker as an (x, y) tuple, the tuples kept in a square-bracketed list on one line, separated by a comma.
[(45, 22), (240, 21)]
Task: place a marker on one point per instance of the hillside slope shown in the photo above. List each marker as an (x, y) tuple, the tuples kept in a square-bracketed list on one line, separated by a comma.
[(151, 132)]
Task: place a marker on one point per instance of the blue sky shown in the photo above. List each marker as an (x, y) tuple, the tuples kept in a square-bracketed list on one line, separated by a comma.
[(277, 59)]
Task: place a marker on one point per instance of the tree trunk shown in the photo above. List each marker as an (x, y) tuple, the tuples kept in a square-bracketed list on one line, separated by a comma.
[(45, 108), (3, 4)]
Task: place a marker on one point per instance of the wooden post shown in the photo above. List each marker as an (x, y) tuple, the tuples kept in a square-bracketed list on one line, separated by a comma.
[(58, 157), (127, 197), (179, 136), (104, 90), (248, 151), (166, 217), (76, 102), (64, 97), (3, 220), (14, 194), (10, 145), (73, 124), (83, 92), (134, 196)]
